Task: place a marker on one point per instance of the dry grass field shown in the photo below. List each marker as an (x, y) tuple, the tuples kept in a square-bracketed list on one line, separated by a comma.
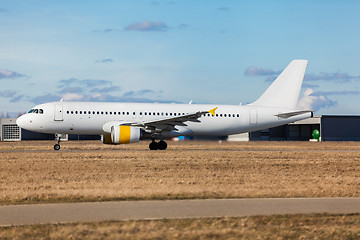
[(270, 227), (31, 172)]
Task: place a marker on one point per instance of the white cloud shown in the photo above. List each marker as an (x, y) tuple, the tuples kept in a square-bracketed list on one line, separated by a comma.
[(311, 102), (10, 74), (73, 97)]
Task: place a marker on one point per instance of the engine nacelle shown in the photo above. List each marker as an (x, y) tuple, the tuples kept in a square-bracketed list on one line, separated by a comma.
[(121, 134)]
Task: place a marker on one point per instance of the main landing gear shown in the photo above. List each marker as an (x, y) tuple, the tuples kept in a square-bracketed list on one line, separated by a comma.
[(161, 145), (57, 146)]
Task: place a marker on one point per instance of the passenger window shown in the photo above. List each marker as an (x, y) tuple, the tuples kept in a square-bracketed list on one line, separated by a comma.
[(134, 113), (80, 112), (72, 112), (237, 115), (102, 112), (127, 113), (67, 112), (217, 115)]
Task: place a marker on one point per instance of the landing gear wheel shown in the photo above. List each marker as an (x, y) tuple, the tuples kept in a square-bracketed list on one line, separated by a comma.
[(153, 145), (162, 145), (58, 138)]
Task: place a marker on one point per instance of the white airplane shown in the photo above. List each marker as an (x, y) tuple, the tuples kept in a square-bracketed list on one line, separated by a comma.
[(121, 123)]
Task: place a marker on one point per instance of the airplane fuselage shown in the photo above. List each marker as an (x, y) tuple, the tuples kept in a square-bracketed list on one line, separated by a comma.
[(90, 117)]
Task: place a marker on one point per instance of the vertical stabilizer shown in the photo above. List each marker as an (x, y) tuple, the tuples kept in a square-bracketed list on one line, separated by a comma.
[(284, 91)]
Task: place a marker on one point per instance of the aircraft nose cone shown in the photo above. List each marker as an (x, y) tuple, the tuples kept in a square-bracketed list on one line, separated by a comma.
[(21, 121)]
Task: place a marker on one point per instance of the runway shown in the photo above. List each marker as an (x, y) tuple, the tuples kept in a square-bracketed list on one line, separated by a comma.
[(14, 215)]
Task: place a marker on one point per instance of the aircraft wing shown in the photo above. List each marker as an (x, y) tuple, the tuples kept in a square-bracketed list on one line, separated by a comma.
[(168, 124)]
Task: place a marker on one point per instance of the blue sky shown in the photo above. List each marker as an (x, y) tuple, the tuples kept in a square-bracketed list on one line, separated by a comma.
[(212, 51)]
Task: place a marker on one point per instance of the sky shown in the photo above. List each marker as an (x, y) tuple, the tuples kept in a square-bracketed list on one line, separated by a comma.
[(177, 51)]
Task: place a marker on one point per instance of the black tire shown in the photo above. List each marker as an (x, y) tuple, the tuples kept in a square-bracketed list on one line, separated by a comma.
[(153, 146), (57, 147), (162, 145)]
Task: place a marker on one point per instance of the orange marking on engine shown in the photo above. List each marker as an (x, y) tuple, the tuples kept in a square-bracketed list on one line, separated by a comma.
[(125, 133)]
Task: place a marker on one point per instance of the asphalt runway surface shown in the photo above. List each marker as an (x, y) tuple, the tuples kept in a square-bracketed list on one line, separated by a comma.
[(13, 215)]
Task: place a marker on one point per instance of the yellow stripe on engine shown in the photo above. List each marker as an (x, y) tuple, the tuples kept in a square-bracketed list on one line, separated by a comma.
[(124, 136)]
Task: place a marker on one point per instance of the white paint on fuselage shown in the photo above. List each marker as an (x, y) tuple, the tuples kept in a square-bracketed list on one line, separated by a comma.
[(237, 119)]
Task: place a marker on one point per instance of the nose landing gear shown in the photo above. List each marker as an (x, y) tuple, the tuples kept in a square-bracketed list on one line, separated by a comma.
[(57, 146), (161, 145)]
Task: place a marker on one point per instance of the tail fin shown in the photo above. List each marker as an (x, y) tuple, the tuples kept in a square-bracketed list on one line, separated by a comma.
[(284, 91)]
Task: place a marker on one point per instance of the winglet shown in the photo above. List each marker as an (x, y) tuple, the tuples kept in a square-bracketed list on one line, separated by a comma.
[(212, 111)]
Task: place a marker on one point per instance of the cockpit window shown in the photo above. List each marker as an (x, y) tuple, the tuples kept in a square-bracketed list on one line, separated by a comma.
[(40, 111)]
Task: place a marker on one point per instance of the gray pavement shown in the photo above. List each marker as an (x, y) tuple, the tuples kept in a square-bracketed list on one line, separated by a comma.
[(171, 209)]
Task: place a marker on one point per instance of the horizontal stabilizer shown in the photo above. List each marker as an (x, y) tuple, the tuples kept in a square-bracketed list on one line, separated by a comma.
[(292, 114)]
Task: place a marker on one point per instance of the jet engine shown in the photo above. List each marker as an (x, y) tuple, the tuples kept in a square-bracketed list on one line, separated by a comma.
[(121, 134)]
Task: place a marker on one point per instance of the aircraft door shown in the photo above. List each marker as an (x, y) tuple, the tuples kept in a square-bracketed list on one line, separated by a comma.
[(253, 116), (58, 114)]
